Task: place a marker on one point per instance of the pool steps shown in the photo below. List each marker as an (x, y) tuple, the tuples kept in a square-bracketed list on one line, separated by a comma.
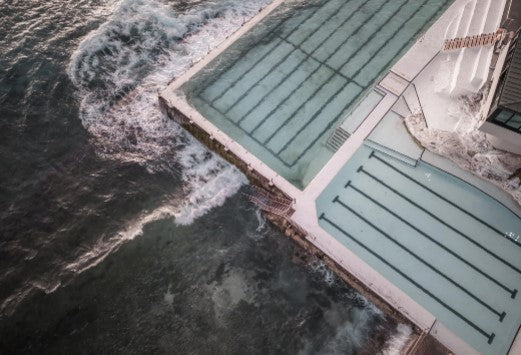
[(391, 153), (338, 138)]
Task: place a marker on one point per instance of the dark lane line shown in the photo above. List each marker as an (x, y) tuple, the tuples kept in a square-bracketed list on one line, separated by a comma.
[(242, 129), (361, 169), (282, 60), (311, 14), (468, 263), (290, 94), (501, 315), (308, 56), (490, 337), (443, 198)]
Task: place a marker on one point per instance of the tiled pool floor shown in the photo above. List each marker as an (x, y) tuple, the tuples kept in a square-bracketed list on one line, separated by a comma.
[(283, 87), (445, 243)]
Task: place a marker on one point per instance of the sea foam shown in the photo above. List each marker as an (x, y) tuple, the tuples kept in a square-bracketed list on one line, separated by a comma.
[(118, 70)]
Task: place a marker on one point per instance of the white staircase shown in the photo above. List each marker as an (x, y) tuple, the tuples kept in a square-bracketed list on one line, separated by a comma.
[(337, 139), (470, 66), (461, 71)]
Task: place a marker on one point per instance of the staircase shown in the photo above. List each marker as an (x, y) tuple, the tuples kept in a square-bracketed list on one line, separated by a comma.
[(269, 202), (471, 65), (337, 139), (475, 41)]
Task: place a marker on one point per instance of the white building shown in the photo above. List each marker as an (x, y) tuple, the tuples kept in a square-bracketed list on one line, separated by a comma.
[(502, 112)]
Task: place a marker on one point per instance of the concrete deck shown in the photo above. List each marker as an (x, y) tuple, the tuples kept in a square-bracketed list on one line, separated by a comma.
[(399, 80)]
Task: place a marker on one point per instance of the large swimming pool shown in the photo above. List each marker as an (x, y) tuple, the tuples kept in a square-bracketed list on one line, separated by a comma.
[(282, 88)]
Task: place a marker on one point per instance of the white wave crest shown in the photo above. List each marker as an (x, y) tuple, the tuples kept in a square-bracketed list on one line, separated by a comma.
[(105, 246), (397, 343), (319, 267), (118, 70)]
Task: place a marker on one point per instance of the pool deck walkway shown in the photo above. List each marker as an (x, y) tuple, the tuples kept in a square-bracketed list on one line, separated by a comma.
[(398, 80)]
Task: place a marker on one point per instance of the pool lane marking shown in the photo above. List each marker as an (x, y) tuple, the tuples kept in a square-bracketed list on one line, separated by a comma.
[(490, 337), (362, 170), (308, 56), (245, 131), (268, 52), (311, 14), (404, 45), (343, 65), (283, 101), (372, 155), (501, 315), (403, 220), (283, 59), (351, 56)]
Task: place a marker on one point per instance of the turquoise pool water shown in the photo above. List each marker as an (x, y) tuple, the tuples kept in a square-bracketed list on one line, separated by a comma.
[(449, 246), (283, 87)]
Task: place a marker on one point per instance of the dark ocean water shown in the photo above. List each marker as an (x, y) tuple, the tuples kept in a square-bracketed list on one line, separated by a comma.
[(121, 234)]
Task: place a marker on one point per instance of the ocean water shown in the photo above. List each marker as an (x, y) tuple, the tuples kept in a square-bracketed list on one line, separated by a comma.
[(119, 233)]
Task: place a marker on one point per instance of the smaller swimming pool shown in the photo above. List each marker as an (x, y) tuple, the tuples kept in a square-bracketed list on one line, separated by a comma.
[(450, 247)]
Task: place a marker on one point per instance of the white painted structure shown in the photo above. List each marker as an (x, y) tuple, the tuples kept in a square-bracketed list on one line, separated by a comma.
[(453, 73)]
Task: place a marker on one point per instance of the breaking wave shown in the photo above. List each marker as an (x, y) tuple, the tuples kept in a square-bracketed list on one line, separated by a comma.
[(398, 341), (118, 70)]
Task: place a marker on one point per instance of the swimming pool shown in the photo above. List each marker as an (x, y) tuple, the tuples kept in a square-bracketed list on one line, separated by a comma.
[(449, 246), (281, 89)]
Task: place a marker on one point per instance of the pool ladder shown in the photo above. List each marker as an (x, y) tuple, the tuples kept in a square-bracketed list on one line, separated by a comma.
[(337, 139), (270, 202)]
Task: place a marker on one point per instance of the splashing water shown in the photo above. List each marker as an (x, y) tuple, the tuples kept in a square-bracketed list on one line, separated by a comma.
[(468, 147), (397, 343), (119, 69)]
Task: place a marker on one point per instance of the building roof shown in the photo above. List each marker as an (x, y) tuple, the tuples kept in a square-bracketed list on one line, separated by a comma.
[(510, 96)]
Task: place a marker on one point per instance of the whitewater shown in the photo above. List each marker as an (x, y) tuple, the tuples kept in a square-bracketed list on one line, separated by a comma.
[(118, 70)]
